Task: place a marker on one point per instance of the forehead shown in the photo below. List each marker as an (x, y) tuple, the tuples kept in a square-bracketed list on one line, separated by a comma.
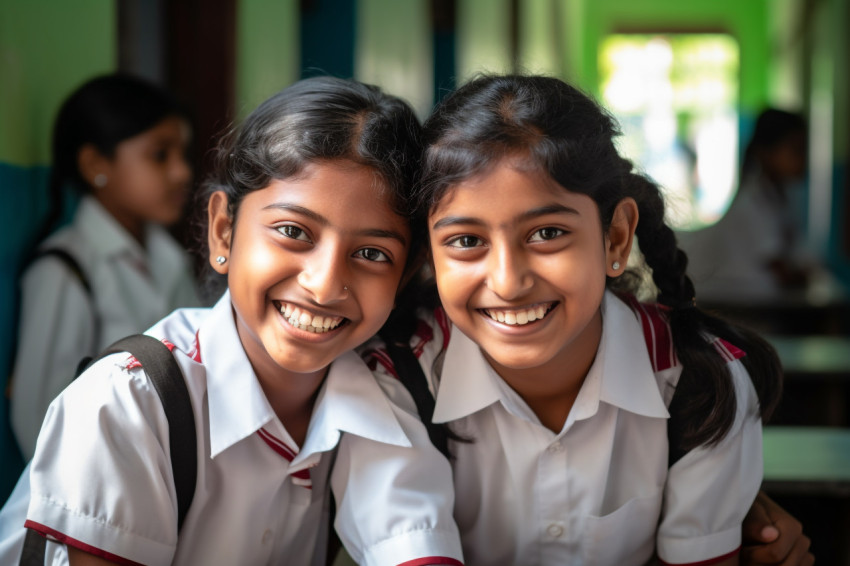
[(342, 192), (509, 187)]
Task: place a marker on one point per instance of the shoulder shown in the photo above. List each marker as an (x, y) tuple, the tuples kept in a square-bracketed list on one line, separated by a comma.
[(429, 341), (660, 340)]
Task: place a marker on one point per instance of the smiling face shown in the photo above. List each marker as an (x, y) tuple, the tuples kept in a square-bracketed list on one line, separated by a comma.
[(313, 266), (521, 264)]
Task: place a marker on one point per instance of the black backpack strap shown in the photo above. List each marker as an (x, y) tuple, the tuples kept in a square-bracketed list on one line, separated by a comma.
[(77, 270), (162, 369), (413, 378), (70, 262)]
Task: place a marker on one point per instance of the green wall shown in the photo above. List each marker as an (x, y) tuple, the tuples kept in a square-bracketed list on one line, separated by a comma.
[(747, 21), (47, 48)]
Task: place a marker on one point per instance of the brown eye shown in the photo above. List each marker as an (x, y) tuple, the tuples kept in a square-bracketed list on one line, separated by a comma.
[(545, 234), (293, 232), (373, 254), (465, 242)]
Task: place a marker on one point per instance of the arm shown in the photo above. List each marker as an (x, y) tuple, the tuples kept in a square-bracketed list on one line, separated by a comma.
[(709, 490), (55, 331), (77, 557), (91, 487), (394, 491), (772, 536)]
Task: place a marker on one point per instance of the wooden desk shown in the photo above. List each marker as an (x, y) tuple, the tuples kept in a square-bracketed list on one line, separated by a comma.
[(807, 460)]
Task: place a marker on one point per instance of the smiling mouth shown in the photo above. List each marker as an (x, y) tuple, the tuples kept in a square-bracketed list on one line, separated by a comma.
[(520, 317), (307, 321)]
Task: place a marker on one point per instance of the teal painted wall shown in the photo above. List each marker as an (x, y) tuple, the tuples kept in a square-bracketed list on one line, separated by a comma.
[(47, 48)]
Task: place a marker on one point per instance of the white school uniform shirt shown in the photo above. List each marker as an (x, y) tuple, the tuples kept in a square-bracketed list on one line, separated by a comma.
[(728, 261), (60, 323), (101, 477), (598, 492)]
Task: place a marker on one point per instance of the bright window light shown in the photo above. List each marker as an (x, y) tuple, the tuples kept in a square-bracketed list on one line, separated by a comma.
[(676, 97)]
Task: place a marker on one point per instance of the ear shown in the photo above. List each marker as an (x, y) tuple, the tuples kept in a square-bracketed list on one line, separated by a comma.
[(620, 236), (220, 231), (91, 163)]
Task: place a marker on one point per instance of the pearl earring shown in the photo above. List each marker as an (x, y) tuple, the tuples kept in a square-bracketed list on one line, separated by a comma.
[(220, 260), (615, 265), (100, 180)]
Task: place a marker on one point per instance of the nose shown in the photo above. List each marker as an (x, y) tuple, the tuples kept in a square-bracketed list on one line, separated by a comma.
[(508, 272), (181, 171), (325, 274)]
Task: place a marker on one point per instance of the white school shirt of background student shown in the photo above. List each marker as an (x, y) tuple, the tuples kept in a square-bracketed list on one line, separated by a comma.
[(60, 322), (259, 500), (592, 493)]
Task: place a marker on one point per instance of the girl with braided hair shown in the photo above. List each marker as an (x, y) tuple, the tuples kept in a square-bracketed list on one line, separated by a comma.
[(558, 386)]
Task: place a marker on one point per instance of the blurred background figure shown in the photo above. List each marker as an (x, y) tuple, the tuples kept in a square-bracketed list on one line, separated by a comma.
[(120, 142), (757, 251)]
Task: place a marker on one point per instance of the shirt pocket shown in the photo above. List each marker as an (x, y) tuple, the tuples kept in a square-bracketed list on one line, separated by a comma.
[(625, 536)]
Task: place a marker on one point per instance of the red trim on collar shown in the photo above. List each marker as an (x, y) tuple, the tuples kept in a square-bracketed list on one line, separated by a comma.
[(287, 453), (195, 352), (53, 534), (133, 363), (656, 332), (445, 325)]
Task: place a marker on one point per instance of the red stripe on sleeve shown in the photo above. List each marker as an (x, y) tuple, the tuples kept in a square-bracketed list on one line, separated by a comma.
[(432, 560), (68, 541), (703, 562)]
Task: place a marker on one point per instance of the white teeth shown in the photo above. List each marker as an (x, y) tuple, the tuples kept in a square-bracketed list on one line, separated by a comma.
[(518, 317), (307, 321)]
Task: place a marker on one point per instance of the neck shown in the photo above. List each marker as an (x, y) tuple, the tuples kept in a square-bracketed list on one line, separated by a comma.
[(293, 402), (550, 389)]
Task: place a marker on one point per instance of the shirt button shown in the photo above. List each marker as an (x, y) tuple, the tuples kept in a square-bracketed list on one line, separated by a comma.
[(555, 447), (267, 536), (555, 530)]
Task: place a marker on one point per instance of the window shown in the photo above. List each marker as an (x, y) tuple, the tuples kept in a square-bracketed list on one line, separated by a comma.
[(676, 98)]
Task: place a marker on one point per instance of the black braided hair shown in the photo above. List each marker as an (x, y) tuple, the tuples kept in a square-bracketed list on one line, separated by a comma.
[(567, 134)]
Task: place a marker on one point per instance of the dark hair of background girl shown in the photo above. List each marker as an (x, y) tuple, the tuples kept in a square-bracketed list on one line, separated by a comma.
[(568, 135), (314, 120), (104, 112), (773, 127)]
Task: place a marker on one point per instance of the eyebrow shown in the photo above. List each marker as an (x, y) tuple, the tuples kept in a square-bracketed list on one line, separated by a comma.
[(527, 215), (321, 220)]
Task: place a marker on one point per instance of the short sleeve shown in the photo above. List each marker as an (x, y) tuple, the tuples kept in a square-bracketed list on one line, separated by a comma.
[(101, 477), (57, 324), (710, 489), (395, 503)]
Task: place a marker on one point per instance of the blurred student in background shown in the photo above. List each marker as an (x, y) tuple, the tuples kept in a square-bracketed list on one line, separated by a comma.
[(757, 250), (121, 143)]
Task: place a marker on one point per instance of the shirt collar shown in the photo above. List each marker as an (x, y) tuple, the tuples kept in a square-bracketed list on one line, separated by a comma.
[(467, 384), (621, 375), (350, 399), (103, 232), (238, 407)]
